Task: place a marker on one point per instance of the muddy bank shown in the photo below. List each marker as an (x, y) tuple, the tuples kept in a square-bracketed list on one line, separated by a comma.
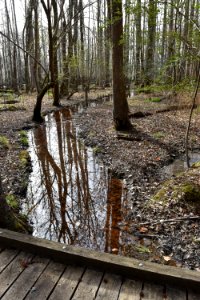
[(139, 158)]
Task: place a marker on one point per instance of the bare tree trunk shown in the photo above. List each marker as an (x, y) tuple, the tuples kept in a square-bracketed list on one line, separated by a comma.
[(37, 109), (138, 54), (150, 71), (120, 104), (52, 33), (36, 67), (107, 44)]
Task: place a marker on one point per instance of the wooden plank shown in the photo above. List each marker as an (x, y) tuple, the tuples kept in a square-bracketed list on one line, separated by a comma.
[(174, 293), (130, 290), (46, 282), (110, 287), (193, 295), (128, 267), (152, 292), (88, 286), (13, 270), (6, 257), (26, 280), (67, 283)]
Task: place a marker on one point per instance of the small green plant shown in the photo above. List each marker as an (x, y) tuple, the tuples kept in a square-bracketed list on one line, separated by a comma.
[(12, 107), (92, 133), (4, 142), (142, 249), (158, 135), (96, 150), (12, 201), (24, 157), (152, 89), (23, 138), (153, 99)]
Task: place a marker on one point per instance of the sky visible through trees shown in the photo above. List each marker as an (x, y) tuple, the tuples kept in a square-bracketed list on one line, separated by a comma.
[(161, 41)]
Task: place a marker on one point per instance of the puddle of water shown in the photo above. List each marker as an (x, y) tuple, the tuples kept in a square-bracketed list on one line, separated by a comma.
[(71, 198), (181, 165)]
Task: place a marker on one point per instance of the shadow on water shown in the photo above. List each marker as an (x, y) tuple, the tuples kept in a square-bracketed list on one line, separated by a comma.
[(71, 196)]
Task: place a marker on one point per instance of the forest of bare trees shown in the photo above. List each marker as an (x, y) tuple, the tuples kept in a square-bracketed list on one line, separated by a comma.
[(68, 44)]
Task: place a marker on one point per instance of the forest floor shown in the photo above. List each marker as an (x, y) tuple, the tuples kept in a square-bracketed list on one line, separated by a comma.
[(164, 228)]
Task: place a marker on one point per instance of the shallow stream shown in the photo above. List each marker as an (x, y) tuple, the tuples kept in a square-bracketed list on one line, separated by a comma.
[(74, 199), (71, 196)]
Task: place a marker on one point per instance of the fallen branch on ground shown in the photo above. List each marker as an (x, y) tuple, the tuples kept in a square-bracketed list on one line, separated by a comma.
[(187, 218)]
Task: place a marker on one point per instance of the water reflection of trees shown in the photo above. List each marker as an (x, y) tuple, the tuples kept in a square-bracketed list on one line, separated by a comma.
[(68, 199)]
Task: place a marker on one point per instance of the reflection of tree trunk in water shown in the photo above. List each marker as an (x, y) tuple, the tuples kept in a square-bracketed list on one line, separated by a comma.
[(45, 156), (78, 156), (69, 136), (89, 204), (79, 184), (113, 215), (84, 173), (78, 177), (41, 146), (63, 189)]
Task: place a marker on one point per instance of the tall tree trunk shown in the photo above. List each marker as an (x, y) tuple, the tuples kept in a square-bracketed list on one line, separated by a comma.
[(52, 34), (82, 48), (36, 67), (150, 71), (107, 44), (164, 34), (64, 88), (138, 43), (54, 55), (120, 104), (127, 47)]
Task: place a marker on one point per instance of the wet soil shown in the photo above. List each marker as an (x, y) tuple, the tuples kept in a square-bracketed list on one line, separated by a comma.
[(138, 158)]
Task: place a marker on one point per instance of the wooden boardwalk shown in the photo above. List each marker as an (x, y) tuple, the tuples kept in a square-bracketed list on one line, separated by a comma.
[(31, 271)]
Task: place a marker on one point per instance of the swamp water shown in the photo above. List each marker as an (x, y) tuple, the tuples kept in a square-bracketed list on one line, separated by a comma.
[(71, 196), (180, 165)]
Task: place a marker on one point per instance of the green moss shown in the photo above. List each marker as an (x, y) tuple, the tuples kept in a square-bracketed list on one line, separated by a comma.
[(191, 192), (92, 133), (142, 249), (12, 201), (21, 224), (161, 195), (152, 89), (196, 164), (4, 142), (12, 107), (96, 150), (185, 192), (24, 158), (23, 138), (158, 134), (153, 99)]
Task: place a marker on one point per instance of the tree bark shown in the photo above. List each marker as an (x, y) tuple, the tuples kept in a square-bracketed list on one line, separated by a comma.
[(120, 104), (150, 71), (38, 106)]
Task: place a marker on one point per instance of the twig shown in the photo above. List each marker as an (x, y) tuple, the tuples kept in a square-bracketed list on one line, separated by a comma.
[(188, 218)]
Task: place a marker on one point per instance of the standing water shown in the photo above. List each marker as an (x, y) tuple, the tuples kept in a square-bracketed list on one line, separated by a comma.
[(71, 196)]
